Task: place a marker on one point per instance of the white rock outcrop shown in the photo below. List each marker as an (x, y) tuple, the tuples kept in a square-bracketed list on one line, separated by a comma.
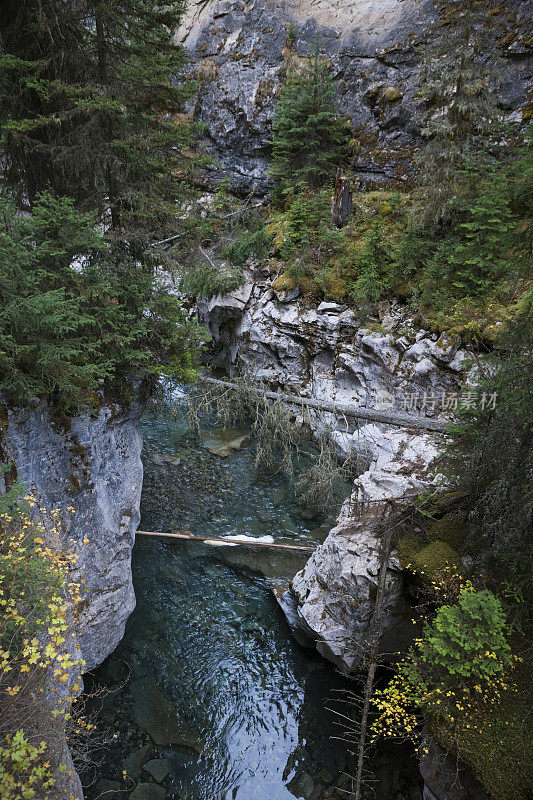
[(327, 354)]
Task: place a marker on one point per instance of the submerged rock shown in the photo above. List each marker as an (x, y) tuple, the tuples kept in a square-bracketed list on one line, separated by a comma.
[(148, 791), (156, 714), (110, 789), (221, 441), (159, 768), (133, 765)]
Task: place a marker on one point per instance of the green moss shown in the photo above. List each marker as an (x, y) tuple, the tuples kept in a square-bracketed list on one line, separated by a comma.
[(335, 287), (408, 548), (284, 283), (309, 289), (435, 557), (497, 743), (425, 560), (451, 529)]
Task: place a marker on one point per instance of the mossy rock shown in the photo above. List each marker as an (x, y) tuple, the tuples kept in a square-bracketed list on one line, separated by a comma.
[(284, 283), (434, 557), (408, 547), (426, 560), (451, 529), (309, 289), (335, 287), (391, 94), (497, 744)]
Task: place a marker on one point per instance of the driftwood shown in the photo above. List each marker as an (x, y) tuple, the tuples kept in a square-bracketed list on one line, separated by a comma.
[(387, 418), (187, 536)]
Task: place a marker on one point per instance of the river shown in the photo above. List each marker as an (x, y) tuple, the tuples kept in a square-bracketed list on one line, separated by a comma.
[(208, 697)]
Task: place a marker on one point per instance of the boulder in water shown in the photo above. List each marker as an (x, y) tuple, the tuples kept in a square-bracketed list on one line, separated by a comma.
[(158, 768), (148, 791), (134, 763)]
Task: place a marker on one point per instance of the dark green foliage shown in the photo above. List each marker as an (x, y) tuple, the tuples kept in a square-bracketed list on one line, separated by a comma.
[(459, 70), (309, 232), (467, 639), (90, 111), (474, 256), (491, 454), (249, 243), (205, 280), (371, 268), (310, 139), (74, 318)]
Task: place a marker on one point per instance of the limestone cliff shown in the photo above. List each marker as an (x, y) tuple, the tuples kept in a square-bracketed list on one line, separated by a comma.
[(326, 353), (241, 51), (93, 465)]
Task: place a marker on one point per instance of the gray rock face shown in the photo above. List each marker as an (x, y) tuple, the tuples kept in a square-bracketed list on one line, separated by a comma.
[(325, 353), (335, 592), (241, 52), (95, 468)]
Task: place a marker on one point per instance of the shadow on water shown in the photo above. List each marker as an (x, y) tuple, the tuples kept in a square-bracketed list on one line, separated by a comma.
[(210, 697)]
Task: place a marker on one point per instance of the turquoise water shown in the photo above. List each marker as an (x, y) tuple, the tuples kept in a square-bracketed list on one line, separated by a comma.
[(208, 678)]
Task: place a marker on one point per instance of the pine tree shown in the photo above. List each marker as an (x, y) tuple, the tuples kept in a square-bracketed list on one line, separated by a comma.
[(459, 70), (90, 109), (310, 137), (67, 333), (91, 134)]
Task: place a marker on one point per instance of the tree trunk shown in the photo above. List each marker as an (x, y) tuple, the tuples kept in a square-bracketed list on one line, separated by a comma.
[(373, 653), (387, 418), (341, 203)]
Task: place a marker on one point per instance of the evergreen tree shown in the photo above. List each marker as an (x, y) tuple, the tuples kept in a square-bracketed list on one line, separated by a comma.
[(67, 332), (491, 456), (459, 69), (89, 109), (310, 137)]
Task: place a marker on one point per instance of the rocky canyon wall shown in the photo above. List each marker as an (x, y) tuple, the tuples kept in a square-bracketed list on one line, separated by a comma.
[(328, 354), (241, 52), (93, 465)]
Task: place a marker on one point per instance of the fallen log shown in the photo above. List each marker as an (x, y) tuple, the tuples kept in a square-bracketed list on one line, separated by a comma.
[(187, 536), (384, 417)]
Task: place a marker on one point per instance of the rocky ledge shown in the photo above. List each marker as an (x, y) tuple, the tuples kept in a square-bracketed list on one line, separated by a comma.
[(331, 600)]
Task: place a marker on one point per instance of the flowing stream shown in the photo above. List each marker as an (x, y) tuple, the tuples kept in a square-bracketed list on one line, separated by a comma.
[(208, 697)]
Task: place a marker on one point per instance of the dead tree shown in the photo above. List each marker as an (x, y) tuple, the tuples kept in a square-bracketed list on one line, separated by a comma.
[(341, 203)]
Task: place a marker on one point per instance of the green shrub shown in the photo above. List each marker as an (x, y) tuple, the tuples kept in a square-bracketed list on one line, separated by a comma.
[(249, 243), (23, 769), (205, 280), (468, 638), (371, 268)]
